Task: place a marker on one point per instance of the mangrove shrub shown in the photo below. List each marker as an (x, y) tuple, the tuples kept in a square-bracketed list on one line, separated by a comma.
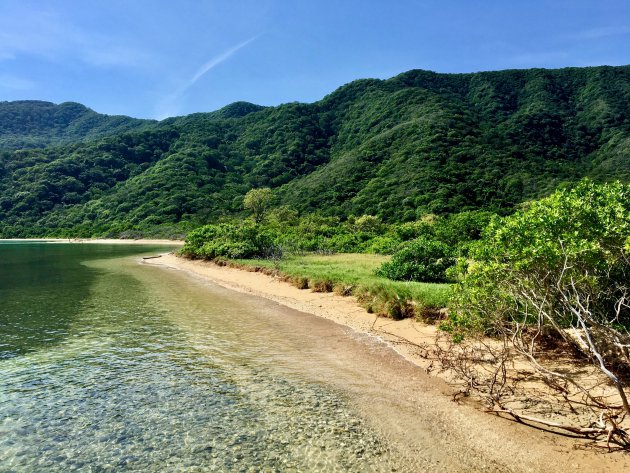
[(561, 266)]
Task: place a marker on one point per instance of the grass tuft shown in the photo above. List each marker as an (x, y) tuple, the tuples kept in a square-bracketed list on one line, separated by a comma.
[(353, 274)]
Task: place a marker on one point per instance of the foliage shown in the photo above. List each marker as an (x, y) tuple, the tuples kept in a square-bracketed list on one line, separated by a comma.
[(561, 265), (461, 228), (257, 201), (435, 243), (229, 240), (285, 231), (577, 236), (420, 260), (383, 245), (399, 149)]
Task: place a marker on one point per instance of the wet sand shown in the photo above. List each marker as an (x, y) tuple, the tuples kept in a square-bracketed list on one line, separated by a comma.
[(445, 435)]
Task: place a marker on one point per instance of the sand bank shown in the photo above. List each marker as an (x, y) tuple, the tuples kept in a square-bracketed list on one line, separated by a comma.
[(405, 336)]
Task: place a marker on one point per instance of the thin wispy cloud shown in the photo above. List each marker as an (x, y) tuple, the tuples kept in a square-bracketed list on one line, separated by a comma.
[(214, 62), (169, 105)]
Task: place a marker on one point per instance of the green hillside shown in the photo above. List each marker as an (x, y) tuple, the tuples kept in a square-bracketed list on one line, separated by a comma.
[(418, 143), (35, 124)]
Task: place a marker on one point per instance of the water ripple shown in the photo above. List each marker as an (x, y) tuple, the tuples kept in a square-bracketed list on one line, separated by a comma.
[(140, 383)]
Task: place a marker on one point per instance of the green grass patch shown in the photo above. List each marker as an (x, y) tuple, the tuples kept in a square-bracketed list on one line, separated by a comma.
[(348, 274)]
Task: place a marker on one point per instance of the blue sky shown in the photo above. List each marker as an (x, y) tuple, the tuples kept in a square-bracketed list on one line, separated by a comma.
[(158, 58)]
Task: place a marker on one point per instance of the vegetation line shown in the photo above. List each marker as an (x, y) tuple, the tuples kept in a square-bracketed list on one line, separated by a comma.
[(552, 276)]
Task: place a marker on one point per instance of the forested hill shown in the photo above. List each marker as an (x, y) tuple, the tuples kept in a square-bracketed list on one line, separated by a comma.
[(35, 124), (417, 143)]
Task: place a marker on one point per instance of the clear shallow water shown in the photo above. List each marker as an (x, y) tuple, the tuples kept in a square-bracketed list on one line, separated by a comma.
[(107, 365)]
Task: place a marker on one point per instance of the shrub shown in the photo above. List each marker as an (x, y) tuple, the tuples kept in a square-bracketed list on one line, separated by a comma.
[(368, 224), (463, 227), (245, 240), (419, 228), (422, 259), (560, 266), (383, 245)]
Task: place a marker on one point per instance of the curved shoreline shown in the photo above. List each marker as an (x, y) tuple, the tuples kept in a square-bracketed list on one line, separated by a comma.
[(524, 449), (404, 336)]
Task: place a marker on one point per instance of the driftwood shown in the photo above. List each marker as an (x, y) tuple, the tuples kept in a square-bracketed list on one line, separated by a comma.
[(151, 257), (607, 424), (488, 370)]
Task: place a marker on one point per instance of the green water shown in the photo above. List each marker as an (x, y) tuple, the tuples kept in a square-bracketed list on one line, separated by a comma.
[(110, 365), (43, 289)]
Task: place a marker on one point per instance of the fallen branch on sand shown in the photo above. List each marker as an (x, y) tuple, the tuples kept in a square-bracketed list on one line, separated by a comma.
[(608, 424)]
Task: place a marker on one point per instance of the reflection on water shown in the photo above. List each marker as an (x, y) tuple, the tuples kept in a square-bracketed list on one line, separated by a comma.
[(154, 372)]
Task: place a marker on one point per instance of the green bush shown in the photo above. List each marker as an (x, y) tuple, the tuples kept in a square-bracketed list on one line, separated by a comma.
[(285, 230), (422, 259), (419, 228), (558, 270), (368, 224), (245, 240), (461, 228), (383, 245), (558, 256)]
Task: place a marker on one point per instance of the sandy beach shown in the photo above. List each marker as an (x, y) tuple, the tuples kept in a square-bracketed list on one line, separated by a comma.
[(527, 448), (403, 335)]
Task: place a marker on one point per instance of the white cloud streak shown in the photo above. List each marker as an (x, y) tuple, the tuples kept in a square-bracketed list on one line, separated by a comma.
[(214, 62), (169, 105)]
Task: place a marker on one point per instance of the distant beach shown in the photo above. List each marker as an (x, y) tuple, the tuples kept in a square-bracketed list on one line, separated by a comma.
[(102, 241)]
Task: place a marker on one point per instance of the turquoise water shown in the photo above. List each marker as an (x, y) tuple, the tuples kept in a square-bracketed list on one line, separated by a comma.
[(110, 365)]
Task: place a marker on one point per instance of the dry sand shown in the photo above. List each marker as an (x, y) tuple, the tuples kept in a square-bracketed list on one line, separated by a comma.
[(505, 441)]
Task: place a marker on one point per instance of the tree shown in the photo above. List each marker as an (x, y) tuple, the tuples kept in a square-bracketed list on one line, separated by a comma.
[(258, 201), (559, 268)]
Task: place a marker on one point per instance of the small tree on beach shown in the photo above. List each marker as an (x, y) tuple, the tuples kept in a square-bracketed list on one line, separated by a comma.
[(258, 201)]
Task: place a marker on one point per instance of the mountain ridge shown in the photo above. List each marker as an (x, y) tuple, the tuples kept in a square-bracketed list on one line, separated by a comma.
[(420, 142), (37, 123)]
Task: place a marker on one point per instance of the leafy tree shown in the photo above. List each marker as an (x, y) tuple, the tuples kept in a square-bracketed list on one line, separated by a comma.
[(258, 201)]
